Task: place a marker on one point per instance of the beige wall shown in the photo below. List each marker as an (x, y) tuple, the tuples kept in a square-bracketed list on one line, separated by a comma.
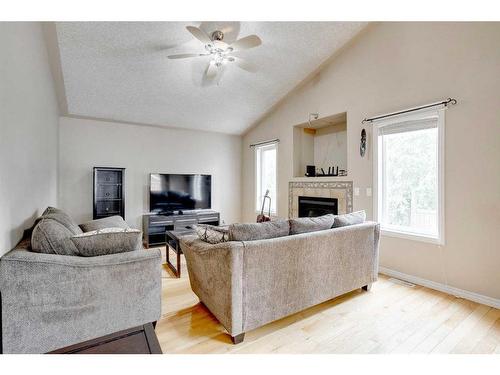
[(330, 147), (400, 65), (142, 150), (28, 130)]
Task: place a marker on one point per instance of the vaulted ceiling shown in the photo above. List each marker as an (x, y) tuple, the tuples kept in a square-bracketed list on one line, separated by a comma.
[(119, 70)]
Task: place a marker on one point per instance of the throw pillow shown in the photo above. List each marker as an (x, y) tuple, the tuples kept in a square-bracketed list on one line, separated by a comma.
[(258, 231), (107, 241), (49, 236), (61, 217), (212, 234), (51, 210), (311, 224), (357, 217), (106, 222)]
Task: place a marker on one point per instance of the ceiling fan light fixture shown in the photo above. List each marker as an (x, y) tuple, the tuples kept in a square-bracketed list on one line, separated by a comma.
[(217, 35), (220, 51)]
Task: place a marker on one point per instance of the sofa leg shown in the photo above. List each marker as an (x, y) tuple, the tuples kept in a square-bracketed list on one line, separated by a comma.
[(367, 287), (154, 324), (238, 338)]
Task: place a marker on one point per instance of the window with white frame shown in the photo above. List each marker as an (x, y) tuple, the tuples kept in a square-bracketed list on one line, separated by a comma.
[(409, 169), (265, 171)]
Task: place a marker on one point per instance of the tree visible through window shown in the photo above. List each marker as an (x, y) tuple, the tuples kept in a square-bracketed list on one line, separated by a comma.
[(408, 175), (265, 163)]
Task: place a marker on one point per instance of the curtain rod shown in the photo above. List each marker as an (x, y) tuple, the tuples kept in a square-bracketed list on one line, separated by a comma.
[(443, 102), (265, 142)]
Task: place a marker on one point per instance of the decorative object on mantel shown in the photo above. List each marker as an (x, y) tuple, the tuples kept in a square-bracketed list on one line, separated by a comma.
[(362, 144), (261, 217), (310, 171), (436, 104), (333, 171)]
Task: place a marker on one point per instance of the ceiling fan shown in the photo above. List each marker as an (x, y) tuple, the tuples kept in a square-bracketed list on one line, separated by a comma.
[(219, 51)]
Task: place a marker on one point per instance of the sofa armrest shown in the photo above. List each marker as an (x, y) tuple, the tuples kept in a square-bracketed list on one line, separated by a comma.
[(215, 273), (22, 255), (51, 301)]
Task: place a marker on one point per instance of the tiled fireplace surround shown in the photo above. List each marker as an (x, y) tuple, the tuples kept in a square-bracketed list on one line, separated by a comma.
[(342, 190)]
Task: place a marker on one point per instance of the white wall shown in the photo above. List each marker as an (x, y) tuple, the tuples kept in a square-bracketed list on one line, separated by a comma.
[(143, 150), (399, 65), (28, 130)]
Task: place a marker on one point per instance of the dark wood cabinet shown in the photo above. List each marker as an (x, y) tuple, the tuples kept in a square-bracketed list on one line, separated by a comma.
[(154, 226), (109, 192), (137, 340)]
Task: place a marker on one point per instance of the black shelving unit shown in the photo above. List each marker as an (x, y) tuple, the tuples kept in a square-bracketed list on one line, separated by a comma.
[(109, 192)]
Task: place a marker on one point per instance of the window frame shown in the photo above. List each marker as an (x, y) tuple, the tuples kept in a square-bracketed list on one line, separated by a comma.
[(377, 182), (257, 178)]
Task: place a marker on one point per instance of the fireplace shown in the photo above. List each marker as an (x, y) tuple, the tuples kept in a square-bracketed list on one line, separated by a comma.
[(340, 191), (317, 206)]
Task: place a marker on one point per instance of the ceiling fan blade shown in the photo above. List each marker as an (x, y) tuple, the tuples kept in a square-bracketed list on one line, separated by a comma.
[(211, 70), (245, 65), (247, 42), (199, 34), (186, 55), (220, 74)]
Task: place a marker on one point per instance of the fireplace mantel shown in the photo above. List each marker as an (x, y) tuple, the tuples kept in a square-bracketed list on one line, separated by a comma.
[(341, 190), (319, 179)]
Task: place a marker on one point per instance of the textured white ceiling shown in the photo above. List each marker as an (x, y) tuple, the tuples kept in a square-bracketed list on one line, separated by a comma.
[(120, 71)]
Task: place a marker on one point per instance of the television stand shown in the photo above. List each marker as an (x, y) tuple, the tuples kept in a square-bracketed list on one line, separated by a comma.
[(155, 225)]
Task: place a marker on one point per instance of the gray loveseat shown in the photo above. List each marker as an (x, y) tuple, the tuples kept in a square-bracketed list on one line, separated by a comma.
[(247, 284), (49, 301)]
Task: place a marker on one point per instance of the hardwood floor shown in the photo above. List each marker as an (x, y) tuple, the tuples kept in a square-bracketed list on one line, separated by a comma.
[(391, 318)]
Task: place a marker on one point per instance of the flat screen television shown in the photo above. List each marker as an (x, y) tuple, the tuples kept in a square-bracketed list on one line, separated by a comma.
[(169, 193)]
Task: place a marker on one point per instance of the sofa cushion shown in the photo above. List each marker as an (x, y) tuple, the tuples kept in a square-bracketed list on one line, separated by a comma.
[(212, 234), (106, 222), (311, 224), (357, 217), (258, 231), (50, 236), (61, 217), (107, 241)]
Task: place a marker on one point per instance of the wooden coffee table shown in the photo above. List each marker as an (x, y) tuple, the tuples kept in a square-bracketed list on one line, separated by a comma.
[(172, 240), (137, 340)]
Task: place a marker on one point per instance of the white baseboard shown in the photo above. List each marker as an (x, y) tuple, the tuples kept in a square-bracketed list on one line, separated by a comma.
[(479, 298)]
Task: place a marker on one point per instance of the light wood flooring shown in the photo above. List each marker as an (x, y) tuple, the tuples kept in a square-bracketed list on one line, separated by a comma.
[(391, 318)]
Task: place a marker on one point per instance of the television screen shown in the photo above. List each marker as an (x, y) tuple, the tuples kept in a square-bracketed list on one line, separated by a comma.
[(174, 192)]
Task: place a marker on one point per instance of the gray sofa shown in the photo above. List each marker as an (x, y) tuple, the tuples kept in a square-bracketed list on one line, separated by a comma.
[(49, 301), (247, 284)]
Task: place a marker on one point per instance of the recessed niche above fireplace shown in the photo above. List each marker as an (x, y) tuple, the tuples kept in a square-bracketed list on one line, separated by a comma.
[(321, 143)]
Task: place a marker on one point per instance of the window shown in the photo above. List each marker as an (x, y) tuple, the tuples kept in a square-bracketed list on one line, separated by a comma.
[(409, 168), (265, 168)]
